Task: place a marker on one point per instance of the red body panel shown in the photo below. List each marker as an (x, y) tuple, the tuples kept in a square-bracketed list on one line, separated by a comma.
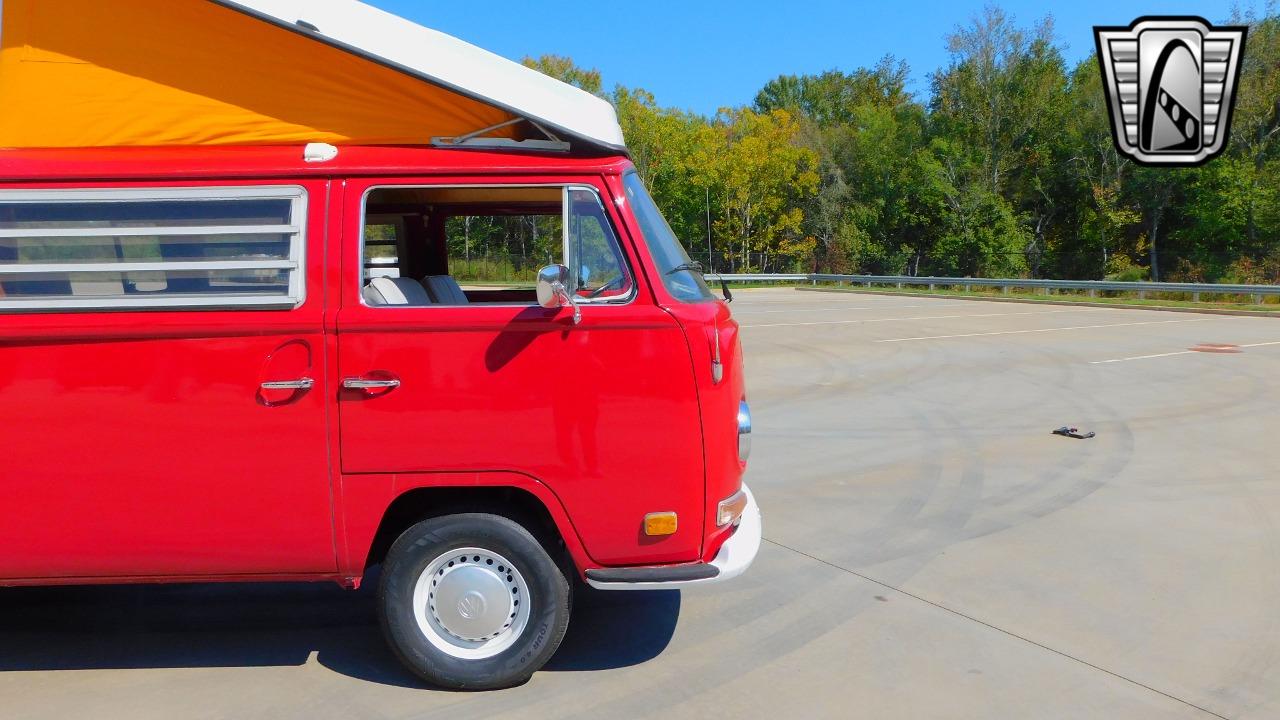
[(139, 443), (604, 413), (142, 449), (707, 324)]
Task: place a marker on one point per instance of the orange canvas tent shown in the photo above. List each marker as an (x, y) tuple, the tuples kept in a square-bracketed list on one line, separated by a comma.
[(88, 73)]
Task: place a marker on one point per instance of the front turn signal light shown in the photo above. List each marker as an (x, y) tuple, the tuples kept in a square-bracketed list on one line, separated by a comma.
[(659, 524), (729, 512)]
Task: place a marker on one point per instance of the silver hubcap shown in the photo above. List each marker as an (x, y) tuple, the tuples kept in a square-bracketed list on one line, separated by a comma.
[(471, 603)]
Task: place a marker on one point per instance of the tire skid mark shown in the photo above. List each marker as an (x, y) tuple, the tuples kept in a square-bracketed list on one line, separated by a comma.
[(1251, 666), (751, 607), (941, 504), (680, 678), (750, 652), (902, 519)]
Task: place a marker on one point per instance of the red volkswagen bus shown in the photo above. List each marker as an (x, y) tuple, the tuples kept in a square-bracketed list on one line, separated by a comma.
[(281, 361)]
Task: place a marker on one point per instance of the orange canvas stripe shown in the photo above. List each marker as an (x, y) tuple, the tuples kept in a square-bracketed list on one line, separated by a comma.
[(86, 73)]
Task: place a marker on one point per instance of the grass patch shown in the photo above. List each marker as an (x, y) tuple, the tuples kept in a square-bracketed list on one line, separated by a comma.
[(1214, 301)]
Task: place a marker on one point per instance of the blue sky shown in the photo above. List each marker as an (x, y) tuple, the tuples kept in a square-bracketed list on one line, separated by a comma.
[(703, 54)]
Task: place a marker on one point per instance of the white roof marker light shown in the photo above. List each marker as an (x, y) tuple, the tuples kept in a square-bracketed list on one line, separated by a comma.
[(319, 152)]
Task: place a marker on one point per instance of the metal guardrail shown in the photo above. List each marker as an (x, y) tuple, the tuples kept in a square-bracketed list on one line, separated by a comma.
[(1093, 287)]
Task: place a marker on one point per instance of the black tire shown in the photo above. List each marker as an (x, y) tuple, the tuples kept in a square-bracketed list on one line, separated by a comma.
[(549, 607)]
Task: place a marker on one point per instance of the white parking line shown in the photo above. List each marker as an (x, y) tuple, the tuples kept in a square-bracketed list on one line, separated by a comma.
[(749, 311), (903, 319), (1141, 357), (1172, 354), (1044, 330)]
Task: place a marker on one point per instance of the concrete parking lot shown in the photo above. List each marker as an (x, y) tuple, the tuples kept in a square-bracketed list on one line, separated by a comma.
[(932, 550)]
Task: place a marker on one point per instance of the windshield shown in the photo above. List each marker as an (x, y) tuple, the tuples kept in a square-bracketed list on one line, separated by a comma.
[(680, 275)]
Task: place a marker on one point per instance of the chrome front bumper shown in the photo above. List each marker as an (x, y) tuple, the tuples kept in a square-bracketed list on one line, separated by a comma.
[(735, 556)]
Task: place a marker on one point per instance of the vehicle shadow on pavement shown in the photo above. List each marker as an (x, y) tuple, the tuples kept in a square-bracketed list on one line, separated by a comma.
[(262, 625), (617, 629)]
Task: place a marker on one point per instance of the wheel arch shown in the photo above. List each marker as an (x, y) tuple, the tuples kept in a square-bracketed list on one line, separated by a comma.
[(519, 498)]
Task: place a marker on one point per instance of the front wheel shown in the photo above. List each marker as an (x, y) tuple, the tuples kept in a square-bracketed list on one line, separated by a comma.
[(472, 602)]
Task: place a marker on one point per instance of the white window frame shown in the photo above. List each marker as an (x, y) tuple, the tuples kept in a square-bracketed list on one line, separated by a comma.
[(295, 264)]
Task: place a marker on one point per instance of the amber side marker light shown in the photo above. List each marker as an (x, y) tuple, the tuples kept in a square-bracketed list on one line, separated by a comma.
[(660, 523)]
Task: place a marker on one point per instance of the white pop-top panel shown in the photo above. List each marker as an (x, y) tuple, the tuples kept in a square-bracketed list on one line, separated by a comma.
[(445, 60)]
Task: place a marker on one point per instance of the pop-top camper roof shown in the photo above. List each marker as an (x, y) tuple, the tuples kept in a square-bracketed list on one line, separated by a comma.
[(88, 73)]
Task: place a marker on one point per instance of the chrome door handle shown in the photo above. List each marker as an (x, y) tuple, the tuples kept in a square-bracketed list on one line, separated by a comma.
[(305, 383), (365, 384)]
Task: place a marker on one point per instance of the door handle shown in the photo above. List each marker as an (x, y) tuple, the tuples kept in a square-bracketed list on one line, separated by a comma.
[(305, 383), (367, 384)]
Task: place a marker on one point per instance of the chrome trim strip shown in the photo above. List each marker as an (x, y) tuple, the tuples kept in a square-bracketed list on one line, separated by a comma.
[(158, 231), (128, 267), (160, 194), (305, 383), (172, 302), (365, 384), (295, 264)]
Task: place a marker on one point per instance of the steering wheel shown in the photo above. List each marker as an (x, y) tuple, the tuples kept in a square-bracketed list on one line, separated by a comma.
[(607, 286)]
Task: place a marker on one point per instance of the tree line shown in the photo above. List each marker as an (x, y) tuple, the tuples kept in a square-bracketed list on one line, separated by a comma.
[(1006, 169)]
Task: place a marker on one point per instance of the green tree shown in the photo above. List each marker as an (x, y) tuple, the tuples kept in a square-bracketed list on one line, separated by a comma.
[(1255, 131), (1006, 167), (833, 97), (1097, 173), (675, 153), (563, 69), (998, 91), (762, 174)]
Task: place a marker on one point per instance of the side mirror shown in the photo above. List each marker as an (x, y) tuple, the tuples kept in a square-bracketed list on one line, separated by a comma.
[(553, 290)]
